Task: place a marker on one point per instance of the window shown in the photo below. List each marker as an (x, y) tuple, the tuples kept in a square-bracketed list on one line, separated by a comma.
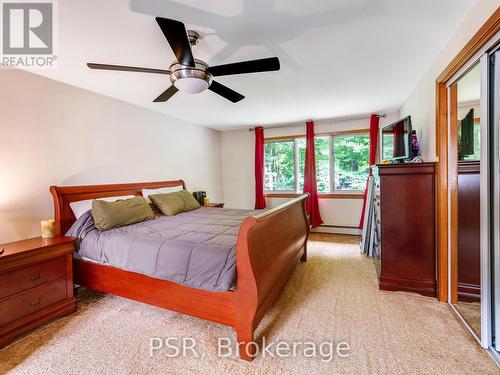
[(342, 163), (322, 146), (351, 161), (279, 166)]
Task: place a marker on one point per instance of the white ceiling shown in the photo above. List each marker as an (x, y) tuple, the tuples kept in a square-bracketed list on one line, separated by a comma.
[(339, 58)]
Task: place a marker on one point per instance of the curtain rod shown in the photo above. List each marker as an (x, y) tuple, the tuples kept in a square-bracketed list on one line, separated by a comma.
[(383, 115)]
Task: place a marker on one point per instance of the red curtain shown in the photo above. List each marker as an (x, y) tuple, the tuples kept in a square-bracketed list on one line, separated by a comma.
[(374, 120), (310, 186), (260, 201)]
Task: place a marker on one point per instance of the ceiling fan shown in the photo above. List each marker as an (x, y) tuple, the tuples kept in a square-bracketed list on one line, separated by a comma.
[(191, 75)]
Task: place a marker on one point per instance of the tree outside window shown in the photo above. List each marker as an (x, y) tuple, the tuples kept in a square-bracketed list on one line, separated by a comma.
[(279, 166), (351, 166), (343, 157)]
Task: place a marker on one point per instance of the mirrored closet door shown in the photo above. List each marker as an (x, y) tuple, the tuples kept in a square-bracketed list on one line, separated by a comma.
[(465, 161), (494, 110)]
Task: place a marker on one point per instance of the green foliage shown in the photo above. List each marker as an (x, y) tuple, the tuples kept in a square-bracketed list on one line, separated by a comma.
[(351, 163), (279, 164)]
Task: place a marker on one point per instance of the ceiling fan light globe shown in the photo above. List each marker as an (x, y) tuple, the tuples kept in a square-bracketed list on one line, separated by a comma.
[(191, 85)]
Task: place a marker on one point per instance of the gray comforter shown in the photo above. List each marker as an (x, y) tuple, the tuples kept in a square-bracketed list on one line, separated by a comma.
[(196, 248)]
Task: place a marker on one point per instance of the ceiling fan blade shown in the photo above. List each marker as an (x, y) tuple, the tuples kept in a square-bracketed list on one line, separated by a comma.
[(127, 68), (176, 35), (251, 66), (167, 94), (225, 92)]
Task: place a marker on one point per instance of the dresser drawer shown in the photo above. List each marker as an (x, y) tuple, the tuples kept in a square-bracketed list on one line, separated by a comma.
[(29, 277), (31, 301)]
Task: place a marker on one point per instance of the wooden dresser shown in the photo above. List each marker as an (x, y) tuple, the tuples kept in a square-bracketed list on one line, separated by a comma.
[(404, 209), (36, 284)]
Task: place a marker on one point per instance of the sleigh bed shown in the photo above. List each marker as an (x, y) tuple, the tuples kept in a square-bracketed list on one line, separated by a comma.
[(268, 247)]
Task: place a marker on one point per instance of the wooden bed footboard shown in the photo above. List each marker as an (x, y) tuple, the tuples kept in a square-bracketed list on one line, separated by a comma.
[(269, 246)]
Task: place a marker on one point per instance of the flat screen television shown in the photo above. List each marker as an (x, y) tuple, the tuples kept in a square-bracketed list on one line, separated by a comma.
[(396, 140)]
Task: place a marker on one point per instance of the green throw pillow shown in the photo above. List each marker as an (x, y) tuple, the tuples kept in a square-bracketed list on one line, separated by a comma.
[(173, 203), (108, 215), (189, 202), (169, 204)]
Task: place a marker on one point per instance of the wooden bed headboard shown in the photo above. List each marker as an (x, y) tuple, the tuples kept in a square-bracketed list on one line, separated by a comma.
[(64, 195)]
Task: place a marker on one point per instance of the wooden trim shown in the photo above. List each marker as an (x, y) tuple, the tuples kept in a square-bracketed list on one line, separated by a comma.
[(320, 196), (483, 35), (283, 138), (268, 248), (442, 190), (453, 189), (323, 134)]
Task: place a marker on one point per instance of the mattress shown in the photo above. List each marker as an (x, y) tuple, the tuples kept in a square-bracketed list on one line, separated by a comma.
[(196, 248)]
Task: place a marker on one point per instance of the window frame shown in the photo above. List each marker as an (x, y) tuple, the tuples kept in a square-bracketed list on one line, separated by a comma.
[(333, 193)]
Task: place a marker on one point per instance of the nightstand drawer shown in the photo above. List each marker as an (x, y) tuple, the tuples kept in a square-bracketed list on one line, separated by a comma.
[(27, 303), (32, 276)]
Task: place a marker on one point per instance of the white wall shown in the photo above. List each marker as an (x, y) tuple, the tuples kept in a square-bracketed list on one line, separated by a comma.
[(55, 134), (421, 104), (238, 181)]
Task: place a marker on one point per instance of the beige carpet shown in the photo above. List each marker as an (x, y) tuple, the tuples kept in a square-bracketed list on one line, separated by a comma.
[(334, 297), (471, 312)]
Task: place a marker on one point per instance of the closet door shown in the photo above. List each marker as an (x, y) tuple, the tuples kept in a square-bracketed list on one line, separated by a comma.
[(464, 178), (495, 229)]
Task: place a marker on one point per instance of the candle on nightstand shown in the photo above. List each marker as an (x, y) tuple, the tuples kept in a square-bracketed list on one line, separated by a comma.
[(48, 228)]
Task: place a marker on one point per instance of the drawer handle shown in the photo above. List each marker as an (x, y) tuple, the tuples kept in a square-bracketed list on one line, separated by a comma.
[(31, 303), (34, 278)]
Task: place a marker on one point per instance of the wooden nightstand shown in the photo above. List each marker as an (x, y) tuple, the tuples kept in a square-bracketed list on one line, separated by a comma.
[(36, 284), (216, 205)]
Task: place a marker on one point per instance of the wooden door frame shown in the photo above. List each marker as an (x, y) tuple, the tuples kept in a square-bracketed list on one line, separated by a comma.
[(444, 147), (453, 187)]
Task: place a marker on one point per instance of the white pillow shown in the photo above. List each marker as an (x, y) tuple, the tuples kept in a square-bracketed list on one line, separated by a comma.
[(171, 189), (80, 207)]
